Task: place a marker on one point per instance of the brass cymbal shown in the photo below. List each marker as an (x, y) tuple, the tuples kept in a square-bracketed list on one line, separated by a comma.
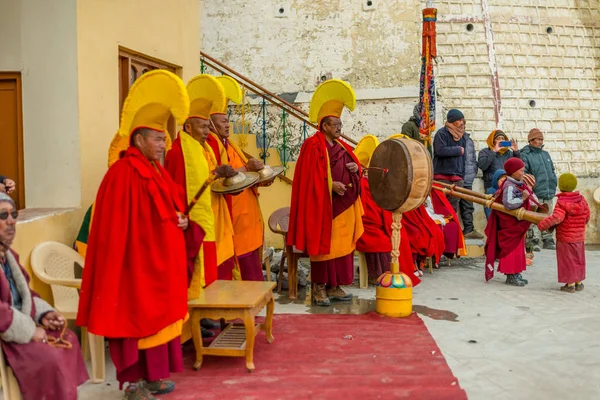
[(236, 183), (268, 173)]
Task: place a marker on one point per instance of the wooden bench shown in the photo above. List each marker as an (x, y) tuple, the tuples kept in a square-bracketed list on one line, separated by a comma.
[(231, 300)]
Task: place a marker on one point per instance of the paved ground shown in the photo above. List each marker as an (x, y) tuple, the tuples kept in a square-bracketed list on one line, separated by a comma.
[(501, 342)]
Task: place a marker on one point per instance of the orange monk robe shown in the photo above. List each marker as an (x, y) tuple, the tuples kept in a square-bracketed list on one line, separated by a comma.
[(248, 226), (188, 167)]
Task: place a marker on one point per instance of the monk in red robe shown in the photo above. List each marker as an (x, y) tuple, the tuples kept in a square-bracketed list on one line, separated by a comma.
[(505, 233), (453, 236), (43, 371), (376, 241), (426, 237), (326, 211), (134, 287)]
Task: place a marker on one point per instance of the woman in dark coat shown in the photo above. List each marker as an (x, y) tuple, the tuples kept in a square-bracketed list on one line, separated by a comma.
[(494, 156)]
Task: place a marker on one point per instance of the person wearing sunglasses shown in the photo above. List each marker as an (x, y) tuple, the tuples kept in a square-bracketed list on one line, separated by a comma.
[(26, 323)]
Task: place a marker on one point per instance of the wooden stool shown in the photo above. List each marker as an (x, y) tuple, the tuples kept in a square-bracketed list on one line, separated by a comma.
[(232, 300), (278, 223)]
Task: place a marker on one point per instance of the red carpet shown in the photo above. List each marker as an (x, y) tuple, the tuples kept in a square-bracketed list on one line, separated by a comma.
[(311, 359)]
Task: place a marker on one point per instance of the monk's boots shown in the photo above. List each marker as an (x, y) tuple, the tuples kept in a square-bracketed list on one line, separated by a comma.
[(513, 280), (338, 294), (319, 295)]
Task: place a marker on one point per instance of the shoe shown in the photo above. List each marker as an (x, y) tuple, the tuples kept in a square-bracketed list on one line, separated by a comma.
[(337, 293), (209, 324), (519, 277), (536, 247), (513, 281), (568, 289), (473, 235), (160, 386), (578, 287), (206, 333), (319, 296), (549, 245), (137, 391), (373, 281)]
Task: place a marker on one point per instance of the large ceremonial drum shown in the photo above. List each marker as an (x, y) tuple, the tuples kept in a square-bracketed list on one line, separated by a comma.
[(400, 174)]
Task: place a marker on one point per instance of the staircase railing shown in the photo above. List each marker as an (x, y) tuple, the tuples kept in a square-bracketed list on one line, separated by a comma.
[(260, 91)]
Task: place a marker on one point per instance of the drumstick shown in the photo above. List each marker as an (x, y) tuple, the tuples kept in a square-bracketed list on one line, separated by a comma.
[(206, 184)]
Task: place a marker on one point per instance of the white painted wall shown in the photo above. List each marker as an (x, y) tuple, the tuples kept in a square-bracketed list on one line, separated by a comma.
[(39, 39)]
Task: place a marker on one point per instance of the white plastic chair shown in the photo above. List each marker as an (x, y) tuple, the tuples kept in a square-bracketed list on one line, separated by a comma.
[(10, 386), (54, 263)]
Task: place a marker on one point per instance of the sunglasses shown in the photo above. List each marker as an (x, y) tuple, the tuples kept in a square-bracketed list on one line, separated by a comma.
[(4, 215)]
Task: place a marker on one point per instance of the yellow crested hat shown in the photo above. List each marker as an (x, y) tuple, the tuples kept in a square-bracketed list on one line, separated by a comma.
[(205, 93), (233, 92), (365, 148), (399, 136), (152, 99), (329, 100)]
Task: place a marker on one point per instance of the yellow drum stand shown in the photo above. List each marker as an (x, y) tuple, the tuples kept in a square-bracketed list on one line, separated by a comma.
[(394, 289)]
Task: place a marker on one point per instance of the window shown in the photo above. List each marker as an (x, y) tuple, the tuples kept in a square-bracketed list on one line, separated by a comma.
[(132, 65), (11, 134)]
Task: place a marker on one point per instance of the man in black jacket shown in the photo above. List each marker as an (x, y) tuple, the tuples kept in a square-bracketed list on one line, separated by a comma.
[(449, 153)]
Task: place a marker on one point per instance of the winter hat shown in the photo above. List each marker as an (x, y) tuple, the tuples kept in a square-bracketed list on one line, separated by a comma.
[(529, 180), (567, 182), (513, 165), (454, 115), (535, 133)]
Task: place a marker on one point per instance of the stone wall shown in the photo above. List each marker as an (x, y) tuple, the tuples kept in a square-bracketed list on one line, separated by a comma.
[(506, 64)]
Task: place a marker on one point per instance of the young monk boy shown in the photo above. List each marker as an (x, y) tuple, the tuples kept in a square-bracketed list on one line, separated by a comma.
[(505, 233)]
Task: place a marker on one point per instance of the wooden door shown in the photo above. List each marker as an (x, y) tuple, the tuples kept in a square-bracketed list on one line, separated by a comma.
[(133, 65), (11, 134)]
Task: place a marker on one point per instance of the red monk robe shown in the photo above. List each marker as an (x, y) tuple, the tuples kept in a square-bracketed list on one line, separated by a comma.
[(376, 241), (323, 224), (426, 237), (183, 174), (506, 239), (453, 236), (134, 287)]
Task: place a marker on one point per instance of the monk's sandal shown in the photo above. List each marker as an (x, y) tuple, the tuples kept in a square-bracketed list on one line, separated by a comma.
[(138, 392), (160, 387)]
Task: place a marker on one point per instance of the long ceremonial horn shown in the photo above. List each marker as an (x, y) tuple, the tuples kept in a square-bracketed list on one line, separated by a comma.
[(463, 190), (206, 184), (520, 213)]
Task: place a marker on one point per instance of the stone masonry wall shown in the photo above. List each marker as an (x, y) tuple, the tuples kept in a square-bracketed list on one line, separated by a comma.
[(506, 64)]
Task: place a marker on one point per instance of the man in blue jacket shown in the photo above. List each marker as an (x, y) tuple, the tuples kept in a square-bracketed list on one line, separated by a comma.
[(539, 164), (449, 153)]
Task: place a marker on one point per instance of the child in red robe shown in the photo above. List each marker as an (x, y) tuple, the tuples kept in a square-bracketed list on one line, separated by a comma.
[(505, 233), (570, 217)]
